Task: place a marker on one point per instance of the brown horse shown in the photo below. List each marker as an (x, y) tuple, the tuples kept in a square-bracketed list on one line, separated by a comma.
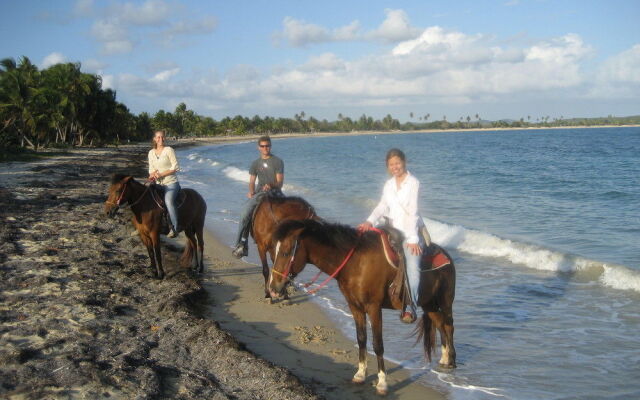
[(271, 211), (364, 282), (147, 218)]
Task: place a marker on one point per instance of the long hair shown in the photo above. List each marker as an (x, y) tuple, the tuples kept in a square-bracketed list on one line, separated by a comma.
[(153, 138)]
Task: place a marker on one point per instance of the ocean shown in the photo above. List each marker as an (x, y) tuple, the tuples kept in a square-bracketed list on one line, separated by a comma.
[(543, 226)]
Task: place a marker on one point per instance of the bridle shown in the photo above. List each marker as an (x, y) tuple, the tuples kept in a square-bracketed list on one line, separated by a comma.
[(285, 274), (121, 197)]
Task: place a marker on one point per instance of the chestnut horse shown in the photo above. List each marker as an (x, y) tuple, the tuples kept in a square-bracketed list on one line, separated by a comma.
[(269, 212), (147, 218), (364, 281)]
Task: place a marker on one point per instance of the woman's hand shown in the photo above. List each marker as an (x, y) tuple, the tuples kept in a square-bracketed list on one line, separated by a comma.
[(365, 226), (415, 248)]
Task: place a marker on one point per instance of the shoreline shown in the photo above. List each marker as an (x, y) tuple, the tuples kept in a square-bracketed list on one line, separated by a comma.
[(187, 142), (297, 335), (79, 300)]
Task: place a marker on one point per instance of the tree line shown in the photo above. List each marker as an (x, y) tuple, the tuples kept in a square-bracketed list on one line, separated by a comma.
[(61, 106)]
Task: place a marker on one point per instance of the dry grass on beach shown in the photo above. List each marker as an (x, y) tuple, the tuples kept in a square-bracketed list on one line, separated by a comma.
[(81, 315)]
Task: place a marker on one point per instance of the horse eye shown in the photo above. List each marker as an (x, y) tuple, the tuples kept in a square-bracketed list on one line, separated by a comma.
[(285, 254)]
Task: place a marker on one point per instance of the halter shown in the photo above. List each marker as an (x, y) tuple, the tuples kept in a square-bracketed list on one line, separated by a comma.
[(324, 283), (285, 274), (121, 197)]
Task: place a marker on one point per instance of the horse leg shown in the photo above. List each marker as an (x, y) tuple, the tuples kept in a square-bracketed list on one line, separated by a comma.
[(155, 241), (375, 316), (438, 320), (265, 269), (448, 349), (200, 252), (360, 318), (146, 240)]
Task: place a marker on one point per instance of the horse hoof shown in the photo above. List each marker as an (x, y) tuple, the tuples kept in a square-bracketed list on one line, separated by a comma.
[(447, 366), (357, 380), (382, 392)]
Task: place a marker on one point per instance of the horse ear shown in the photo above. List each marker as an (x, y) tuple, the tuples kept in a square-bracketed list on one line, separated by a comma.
[(127, 179)]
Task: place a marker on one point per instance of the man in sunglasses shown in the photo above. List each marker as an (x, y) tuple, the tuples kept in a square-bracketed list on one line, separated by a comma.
[(269, 170)]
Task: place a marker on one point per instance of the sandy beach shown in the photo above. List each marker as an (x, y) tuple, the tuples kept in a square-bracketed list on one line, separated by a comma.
[(83, 317)]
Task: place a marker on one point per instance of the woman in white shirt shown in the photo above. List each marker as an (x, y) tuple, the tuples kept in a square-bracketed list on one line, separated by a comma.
[(399, 203), (163, 166)]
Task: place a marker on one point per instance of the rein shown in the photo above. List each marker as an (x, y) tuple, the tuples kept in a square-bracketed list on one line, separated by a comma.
[(285, 274), (324, 283), (121, 197)]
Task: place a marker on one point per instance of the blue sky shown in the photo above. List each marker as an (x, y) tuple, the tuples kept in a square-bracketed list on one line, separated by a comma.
[(498, 59)]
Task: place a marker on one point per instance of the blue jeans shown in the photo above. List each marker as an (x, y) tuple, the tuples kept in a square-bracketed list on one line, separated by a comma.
[(245, 217), (413, 270), (170, 195)]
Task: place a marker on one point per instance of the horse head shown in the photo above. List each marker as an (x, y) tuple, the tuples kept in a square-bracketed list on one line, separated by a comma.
[(290, 255), (117, 193)]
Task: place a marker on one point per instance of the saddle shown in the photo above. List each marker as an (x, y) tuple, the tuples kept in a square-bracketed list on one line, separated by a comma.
[(433, 257), (157, 193), (269, 195)]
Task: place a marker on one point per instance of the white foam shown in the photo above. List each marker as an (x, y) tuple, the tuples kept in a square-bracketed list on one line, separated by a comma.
[(488, 245), (237, 174), (530, 255), (619, 277)]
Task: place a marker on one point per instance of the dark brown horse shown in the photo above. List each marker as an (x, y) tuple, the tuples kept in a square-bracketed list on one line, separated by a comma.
[(364, 282), (147, 218), (268, 214)]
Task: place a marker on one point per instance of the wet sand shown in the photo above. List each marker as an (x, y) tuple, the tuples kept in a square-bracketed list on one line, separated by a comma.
[(81, 315)]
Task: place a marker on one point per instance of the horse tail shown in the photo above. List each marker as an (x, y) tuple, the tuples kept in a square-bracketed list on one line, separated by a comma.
[(427, 332), (187, 255)]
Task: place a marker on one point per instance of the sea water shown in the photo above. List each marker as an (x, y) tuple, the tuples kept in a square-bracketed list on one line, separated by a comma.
[(544, 229)]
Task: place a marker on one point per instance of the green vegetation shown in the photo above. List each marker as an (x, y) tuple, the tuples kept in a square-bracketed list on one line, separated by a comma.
[(61, 107)]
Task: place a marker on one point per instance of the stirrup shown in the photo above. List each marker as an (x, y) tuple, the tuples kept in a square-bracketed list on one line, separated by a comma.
[(408, 317)]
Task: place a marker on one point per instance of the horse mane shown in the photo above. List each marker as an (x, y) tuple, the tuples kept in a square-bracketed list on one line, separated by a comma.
[(285, 199), (340, 236), (115, 178)]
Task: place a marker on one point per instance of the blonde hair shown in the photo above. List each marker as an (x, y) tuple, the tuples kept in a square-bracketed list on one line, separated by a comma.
[(153, 139)]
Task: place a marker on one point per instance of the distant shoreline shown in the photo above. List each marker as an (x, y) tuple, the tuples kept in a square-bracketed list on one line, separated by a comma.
[(182, 142)]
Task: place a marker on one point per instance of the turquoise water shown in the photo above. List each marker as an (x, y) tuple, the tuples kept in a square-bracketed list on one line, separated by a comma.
[(544, 227)]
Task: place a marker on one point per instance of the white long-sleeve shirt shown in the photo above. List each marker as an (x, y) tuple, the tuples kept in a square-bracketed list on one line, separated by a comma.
[(165, 161), (401, 206)]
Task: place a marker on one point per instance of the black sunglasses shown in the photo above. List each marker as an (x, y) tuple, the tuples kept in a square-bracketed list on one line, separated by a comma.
[(265, 145)]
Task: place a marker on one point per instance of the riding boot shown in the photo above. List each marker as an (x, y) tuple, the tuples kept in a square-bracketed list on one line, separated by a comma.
[(172, 232)]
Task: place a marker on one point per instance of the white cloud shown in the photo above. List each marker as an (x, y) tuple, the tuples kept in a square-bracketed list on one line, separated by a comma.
[(619, 76), (108, 82), (622, 68), (203, 26), (93, 66), (439, 66), (299, 33), (324, 62), (395, 27), (122, 26), (164, 76), (53, 59), (113, 37), (151, 12)]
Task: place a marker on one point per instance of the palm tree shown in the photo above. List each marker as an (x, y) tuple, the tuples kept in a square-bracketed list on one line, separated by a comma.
[(20, 97)]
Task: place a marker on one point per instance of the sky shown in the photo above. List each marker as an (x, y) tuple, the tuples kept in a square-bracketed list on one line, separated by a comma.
[(507, 59)]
